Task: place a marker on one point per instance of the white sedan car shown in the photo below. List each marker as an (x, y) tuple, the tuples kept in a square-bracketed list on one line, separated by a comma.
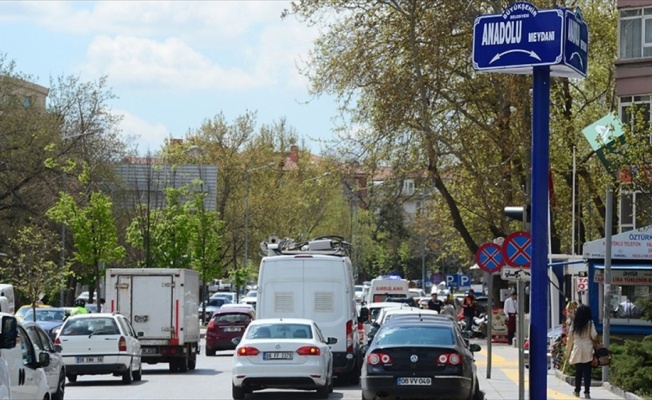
[(55, 372), (283, 353), (94, 344)]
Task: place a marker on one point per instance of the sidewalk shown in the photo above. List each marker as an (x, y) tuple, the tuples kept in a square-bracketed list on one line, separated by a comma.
[(504, 380)]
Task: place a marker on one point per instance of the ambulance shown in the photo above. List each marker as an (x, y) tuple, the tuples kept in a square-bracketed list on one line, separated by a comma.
[(387, 286)]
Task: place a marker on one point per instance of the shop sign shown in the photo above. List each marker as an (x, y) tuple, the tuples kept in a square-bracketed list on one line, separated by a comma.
[(626, 277)]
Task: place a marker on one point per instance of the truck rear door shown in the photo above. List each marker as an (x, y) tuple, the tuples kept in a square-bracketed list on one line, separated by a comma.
[(147, 302)]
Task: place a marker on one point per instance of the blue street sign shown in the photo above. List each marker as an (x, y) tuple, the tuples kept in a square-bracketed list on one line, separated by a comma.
[(521, 36), (457, 280), (576, 47), (524, 37)]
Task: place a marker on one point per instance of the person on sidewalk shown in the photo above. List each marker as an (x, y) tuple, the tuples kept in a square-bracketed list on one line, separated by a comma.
[(468, 309), (580, 348), (448, 309), (510, 309)]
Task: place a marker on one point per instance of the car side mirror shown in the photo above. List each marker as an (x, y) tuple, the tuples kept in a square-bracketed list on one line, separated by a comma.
[(9, 332), (474, 347), (331, 340), (236, 341), (44, 359), (364, 315)]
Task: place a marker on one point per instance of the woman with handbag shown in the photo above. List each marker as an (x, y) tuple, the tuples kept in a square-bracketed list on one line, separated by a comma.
[(580, 348)]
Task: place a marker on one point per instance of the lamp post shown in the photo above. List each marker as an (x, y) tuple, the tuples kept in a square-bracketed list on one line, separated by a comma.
[(195, 152), (246, 219)]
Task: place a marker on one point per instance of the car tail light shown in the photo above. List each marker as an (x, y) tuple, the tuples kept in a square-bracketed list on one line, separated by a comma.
[(248, 351), (379, 358), (449, 358), (211, 324), (57, 341), (122, 344), (349, 336), (308, 351)]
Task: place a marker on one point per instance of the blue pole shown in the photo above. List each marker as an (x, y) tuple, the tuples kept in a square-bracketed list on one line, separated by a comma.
[(539, 265)]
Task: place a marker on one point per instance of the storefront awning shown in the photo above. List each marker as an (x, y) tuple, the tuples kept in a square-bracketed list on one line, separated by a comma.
[(622, 267)]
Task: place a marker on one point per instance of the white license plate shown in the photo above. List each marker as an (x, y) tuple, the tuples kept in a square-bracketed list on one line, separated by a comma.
[(277, 355), (84, 360), (148, 350), (414, 381), (232, 329)]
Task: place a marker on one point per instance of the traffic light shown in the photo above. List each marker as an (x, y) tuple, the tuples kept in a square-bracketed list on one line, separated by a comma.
[(517, 213)]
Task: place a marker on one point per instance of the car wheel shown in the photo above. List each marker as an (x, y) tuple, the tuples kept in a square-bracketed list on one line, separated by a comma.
[(72, 378), (353, 377), (330, 386), (126, 376), (210, 352), (138, 375), (238, 393), (174, 366), (322, 392), (477, 394), (183, 363), (61, 387), (192, 362)]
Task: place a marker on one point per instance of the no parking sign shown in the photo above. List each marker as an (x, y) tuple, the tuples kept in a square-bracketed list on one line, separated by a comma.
[(489, 257)]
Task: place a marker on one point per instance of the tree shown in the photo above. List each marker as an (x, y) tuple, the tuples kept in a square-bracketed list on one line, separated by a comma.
[(94, 233), (30, 266), (401, 70)]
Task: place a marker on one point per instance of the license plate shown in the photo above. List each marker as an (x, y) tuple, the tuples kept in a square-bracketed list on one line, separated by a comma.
[(84, 360), (277, 355), (148, 350), (414, 381), (232, 329)]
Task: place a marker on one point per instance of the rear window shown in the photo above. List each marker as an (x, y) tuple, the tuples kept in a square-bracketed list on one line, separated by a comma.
[(234, 317), (87, 326), (280, 331), (415, 335)]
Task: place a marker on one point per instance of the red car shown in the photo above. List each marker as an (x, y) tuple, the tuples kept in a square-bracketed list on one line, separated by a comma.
[(225, 325)]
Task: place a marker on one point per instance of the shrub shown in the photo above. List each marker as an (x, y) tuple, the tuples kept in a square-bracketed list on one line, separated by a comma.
[(631, 366)]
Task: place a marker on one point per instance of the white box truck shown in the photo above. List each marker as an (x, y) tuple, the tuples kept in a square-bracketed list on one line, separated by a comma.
[(314, 281), (162, 305)]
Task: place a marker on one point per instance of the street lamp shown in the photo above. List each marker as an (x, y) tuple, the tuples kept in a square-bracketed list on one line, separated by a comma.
[(246, 221)]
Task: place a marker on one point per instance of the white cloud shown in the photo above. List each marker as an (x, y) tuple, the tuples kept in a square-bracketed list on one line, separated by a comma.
[(149, 136), (171, 64)]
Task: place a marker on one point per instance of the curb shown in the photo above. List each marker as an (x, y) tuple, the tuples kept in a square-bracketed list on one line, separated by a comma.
[(594, 383)]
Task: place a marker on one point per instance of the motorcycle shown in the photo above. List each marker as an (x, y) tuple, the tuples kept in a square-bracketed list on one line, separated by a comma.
[(479, 327)]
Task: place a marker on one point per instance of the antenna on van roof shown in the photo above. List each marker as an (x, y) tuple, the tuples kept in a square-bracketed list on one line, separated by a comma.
[(330, 245)]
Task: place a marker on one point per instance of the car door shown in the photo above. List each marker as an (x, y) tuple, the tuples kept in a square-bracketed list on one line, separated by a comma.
[(42, 342), (133, 344), (27, 379)]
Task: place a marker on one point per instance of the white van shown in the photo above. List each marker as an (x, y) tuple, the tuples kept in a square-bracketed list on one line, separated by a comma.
[(314, 282), (387, 286)]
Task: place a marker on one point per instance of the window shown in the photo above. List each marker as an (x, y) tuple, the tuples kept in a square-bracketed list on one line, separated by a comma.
[(634, 110), (635, 210), (635, 33)]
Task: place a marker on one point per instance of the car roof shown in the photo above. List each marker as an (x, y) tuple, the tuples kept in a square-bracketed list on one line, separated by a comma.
[(91, 315), (235, 310), (265, 321), (383, 304), (428, 321), (231, 306)]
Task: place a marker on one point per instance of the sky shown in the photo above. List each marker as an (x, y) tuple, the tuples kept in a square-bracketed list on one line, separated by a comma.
[(174, 64)]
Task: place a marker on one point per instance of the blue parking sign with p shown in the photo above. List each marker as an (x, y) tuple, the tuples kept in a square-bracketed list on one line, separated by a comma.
[(457, 280)]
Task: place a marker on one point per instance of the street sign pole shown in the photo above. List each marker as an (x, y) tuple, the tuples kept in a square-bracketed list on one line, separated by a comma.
[(538, 293)]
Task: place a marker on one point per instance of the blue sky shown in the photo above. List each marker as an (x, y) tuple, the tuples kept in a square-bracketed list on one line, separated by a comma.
[(174, 63)]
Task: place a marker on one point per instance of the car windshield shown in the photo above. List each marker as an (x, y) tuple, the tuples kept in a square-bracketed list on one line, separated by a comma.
[(415, 335), (252, 293), (217, 302), (44, 314), (280, 331), (88, 326), (232, 317)]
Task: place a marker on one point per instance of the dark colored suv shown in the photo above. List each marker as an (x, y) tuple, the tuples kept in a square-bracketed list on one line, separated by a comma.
[(225, 325)]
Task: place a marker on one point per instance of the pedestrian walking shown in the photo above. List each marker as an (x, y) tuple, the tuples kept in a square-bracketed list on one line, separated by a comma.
[(468, 307), (579, 350), (510, 309)]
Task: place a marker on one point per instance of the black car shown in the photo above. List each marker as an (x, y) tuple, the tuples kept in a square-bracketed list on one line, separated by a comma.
[(420, 358)]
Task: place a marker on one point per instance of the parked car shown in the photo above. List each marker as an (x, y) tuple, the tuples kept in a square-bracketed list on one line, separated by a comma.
[(226, 325), (213, 304), (55, 372), (95, 344), (250, 298), (359, 293), (553, 335), (288, 353), (416, 358)]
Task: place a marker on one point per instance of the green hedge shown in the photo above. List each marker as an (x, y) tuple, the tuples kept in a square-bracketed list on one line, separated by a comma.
[(631, 366)]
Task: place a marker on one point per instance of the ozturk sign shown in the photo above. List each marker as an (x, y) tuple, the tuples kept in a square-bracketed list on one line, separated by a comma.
[(524, 37)]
